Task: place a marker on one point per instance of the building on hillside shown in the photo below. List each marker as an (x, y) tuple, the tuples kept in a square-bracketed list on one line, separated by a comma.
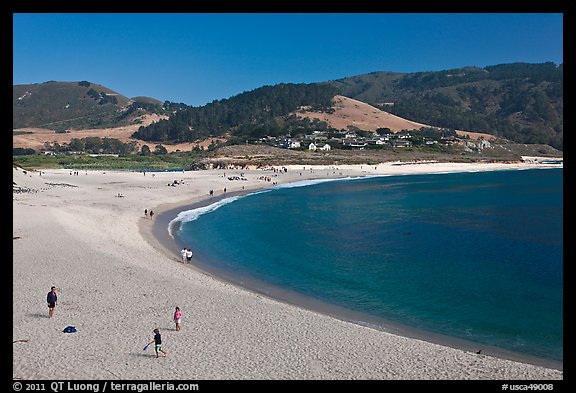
[(401, 143), (294, 144), (358, 145)]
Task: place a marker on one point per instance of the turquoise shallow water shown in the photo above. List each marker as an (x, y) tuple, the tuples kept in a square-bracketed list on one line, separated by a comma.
[(477, 256)]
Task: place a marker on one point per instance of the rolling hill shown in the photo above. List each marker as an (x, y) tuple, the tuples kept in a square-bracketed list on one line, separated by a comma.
[(349, 113), (64, 106), (520, 102)]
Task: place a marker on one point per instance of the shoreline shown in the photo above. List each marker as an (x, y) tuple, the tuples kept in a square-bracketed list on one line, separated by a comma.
[(116, 282), (158, 235)]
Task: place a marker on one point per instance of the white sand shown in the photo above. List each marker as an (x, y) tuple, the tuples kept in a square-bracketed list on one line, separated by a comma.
[(116, 284)]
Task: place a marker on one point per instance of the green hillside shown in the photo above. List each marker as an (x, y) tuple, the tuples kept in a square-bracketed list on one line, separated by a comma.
[(65, 105), (147, 100), (521, 102), (260, 112)]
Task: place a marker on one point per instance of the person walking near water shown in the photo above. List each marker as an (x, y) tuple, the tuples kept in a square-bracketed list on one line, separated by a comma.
[(183, 253), (189, 255), (151, 213), (177, 318), (52, 299), (157, 343)]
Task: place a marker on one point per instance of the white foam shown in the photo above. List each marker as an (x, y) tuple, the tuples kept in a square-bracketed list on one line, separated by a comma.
[(192, 215), (305, 183)]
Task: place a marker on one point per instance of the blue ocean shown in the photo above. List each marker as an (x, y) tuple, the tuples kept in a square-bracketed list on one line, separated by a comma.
[(476, 256)]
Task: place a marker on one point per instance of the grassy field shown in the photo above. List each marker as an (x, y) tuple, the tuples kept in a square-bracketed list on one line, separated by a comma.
[(131, 162), (261, 155)]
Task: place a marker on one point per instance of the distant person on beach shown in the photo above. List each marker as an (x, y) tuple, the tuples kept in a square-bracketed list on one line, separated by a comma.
[(157, 343), (145, 212), (52, 299), (183, 253), (177, 318), (151, 214), (189, 255)]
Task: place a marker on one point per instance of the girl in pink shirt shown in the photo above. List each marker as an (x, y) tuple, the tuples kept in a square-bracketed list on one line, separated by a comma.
[(177, 318)]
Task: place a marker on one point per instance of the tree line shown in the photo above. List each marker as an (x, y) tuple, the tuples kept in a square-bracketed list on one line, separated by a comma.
[(95, 145), (240, 114), (521, 102)]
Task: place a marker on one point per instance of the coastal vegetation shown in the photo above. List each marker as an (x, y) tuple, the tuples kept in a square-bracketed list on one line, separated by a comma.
[(518, 103), (63, 106), (132, 162), (521, 102), (263, 111), (154, 157)]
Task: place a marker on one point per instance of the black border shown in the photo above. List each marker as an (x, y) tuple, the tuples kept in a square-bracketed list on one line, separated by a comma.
[(566, 7)]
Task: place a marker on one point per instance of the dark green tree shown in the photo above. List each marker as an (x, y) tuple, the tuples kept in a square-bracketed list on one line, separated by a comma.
[(145, 150), (159, 149)]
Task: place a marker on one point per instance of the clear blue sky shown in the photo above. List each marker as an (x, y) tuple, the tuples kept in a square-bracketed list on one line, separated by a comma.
[(198, 58)]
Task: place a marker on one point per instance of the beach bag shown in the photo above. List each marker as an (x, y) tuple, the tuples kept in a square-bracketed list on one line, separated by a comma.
[(69, 329)]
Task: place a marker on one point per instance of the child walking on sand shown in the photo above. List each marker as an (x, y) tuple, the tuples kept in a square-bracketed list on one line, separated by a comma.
[(157, 343), (177, 318)]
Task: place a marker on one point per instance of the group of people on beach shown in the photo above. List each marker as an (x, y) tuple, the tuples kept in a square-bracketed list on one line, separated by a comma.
[(52, 300), (148, 213), (186, 254), (157, 340)]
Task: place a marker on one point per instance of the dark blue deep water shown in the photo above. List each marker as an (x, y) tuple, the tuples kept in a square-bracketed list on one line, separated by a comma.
[(476, 256)]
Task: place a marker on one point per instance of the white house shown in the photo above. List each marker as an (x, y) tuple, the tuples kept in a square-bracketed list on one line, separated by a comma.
[(326, 147), (401, 143), (312, 146)]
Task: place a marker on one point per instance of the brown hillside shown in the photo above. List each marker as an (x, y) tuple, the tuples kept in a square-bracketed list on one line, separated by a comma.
[(349, 112), (39, 136)]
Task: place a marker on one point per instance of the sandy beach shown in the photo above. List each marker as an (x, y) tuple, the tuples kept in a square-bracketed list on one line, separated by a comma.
[(116, 283)]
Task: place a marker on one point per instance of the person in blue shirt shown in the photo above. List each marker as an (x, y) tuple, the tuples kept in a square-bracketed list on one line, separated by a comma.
[(157, 343)]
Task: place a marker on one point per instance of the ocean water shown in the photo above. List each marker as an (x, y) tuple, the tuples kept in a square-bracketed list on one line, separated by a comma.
[(476, 256)]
